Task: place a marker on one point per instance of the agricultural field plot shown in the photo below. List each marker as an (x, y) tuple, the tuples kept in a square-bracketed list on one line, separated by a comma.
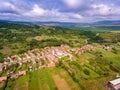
[(110, 56), (62, 77), (60, 83), (40, 80), (48, 79)]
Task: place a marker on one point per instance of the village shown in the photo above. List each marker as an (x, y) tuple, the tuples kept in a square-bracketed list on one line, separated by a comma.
[(46, 58)]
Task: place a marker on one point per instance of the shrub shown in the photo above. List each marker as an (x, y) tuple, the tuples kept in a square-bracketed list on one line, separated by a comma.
[(86, 72), (112, 67)]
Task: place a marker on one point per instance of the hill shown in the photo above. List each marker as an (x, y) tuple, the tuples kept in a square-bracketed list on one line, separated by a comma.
[(117, 22), (44, 57), (109, 25)]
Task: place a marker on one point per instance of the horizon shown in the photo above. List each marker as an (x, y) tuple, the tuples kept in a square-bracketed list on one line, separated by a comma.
[(58, 21), (80, 11)]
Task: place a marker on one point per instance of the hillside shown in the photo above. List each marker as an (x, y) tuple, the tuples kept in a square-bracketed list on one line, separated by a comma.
[(44, 57)]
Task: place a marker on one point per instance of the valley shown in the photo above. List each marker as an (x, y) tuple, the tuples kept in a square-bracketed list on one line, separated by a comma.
[(34, 57)]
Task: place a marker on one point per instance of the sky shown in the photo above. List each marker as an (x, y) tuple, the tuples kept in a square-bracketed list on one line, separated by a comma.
[(60, 10)]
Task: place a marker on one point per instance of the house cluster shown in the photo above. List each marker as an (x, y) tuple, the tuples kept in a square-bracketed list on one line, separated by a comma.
[(50, 56), (84, 49), (108, 48), (3, 78), (12, 75), (53, 54), (16, 75), (45, 58)]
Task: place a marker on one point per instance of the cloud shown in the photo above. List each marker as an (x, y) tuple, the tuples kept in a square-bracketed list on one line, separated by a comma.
[(102, 9), (38, 13), (8, 5), (60, 10), (7, 8), (73, 3)]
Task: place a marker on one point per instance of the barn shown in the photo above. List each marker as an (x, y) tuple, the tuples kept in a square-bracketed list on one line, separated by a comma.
[(114, 84)]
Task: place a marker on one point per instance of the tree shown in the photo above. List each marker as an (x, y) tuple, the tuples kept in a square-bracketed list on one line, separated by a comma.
[(86, 71)]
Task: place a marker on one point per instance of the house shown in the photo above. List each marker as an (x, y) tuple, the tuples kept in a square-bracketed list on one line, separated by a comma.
[(51, 64), (65, 46), (14, 76), (1, 66), (21, 73), (71, 70), (4, 78), (114, 84)]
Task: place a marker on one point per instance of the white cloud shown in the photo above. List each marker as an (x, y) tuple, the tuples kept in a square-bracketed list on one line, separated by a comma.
[(38, 13), (7, 8), (8, 5), (73, 3), (76, 10), (78, 16), (102, 9)]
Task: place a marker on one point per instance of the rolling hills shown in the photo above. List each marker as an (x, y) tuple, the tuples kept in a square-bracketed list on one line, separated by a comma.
[(55, 57)]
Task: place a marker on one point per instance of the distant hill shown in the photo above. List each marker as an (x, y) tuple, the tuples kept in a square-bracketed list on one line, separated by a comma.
[(11, 24), (56, 24), (114, 25), (61, 24), (107, 22)]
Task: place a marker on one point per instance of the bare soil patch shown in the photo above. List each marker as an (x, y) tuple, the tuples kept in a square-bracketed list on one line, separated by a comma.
[(38, 38), (6, 50), (60, 83)]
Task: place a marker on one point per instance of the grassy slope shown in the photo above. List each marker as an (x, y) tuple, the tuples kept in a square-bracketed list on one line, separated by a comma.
[(45, 79), (48, 79)]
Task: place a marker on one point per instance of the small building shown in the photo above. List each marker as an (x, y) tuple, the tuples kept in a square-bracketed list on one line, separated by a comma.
[(114, 84), (21, 73), (4, 78), (14, 76), (71, 70), (1, 66)]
